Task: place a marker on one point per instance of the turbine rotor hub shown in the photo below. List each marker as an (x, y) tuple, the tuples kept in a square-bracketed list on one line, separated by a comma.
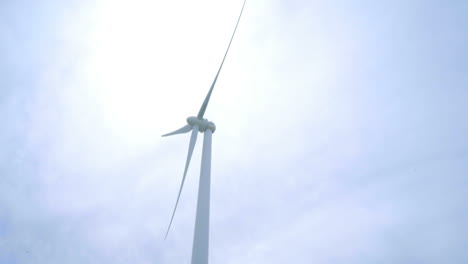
[(203, 124)]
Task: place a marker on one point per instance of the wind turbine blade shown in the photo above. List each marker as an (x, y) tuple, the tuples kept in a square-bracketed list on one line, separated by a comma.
[(193, 140), (207, 98), (181, 130)]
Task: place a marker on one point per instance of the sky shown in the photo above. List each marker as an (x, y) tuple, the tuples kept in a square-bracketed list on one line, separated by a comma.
[(341, 130)]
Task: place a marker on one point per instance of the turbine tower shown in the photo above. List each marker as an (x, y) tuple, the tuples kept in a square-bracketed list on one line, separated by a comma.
[(199, 124)]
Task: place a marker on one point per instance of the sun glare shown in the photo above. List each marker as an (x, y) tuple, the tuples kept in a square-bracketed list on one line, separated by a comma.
[(150, 63), (121, 67), (140, 65)]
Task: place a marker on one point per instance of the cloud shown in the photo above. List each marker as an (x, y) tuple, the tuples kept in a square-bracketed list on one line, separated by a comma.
[(340, 132)]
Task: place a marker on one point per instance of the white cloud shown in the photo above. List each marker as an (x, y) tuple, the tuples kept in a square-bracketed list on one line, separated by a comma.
[(336, 142)]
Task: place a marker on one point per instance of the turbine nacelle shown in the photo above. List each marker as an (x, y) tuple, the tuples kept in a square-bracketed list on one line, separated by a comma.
[(203, 124)]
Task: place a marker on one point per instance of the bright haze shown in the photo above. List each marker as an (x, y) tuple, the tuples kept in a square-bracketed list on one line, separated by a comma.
[(341, 130)]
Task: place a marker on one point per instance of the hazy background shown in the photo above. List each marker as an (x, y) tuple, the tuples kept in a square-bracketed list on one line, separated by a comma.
[(342, 130)]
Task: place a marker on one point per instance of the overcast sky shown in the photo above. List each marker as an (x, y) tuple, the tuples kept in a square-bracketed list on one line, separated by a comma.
[(341, 130)]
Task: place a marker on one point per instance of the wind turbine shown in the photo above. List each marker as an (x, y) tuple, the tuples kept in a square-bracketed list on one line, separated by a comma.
[(199, 124)]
